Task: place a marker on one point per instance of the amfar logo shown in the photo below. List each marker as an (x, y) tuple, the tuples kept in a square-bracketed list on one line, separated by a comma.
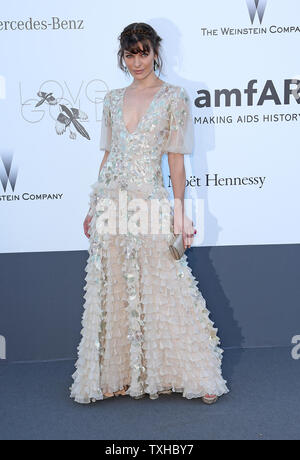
[(8, 174), (2, 347), (258, 6), (234, 96)]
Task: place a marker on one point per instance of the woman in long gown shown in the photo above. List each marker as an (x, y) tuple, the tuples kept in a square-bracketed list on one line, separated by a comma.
[(146, 328)]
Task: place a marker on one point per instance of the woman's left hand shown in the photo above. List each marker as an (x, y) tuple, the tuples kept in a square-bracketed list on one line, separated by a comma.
[(186, 227)]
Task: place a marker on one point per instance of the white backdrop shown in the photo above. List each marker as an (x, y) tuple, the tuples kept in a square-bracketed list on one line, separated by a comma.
[(248, 152)]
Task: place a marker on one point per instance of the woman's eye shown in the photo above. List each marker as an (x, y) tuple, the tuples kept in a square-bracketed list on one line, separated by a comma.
[(129, 55)]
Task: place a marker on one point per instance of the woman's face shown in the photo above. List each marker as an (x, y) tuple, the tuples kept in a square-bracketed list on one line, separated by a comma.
[(140, 65)]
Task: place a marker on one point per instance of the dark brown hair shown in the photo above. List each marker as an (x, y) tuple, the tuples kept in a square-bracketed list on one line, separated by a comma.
[(139, 32)]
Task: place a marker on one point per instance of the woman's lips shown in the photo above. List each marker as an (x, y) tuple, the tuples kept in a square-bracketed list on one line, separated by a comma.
[(138, 71)]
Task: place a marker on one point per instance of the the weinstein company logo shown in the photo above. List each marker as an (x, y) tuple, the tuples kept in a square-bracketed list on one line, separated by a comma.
[(2, 347), (256, 6), (8, 174)]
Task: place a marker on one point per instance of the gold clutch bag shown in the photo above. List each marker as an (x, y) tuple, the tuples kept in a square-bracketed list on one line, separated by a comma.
[(177, 247)]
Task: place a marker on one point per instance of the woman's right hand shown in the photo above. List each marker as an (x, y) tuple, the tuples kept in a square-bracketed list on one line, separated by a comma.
[(86, 225)]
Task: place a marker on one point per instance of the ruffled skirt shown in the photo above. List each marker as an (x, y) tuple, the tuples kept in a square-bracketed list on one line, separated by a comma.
[(145, 322)]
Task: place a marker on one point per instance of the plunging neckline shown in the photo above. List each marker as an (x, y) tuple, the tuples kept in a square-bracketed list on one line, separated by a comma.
[(143, 116)]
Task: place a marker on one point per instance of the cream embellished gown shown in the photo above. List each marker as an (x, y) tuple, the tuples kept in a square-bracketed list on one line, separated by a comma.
[(146, 327)]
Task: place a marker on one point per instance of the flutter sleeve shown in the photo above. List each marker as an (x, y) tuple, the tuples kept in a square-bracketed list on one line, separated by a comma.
[(106, 130), (181, 128), (105, 143)]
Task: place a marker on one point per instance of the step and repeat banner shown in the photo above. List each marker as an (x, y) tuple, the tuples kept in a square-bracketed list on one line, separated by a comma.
[(238, 61)]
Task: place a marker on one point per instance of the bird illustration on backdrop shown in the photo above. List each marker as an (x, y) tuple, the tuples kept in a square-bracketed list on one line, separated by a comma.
[(69, 119), (46, 97)]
